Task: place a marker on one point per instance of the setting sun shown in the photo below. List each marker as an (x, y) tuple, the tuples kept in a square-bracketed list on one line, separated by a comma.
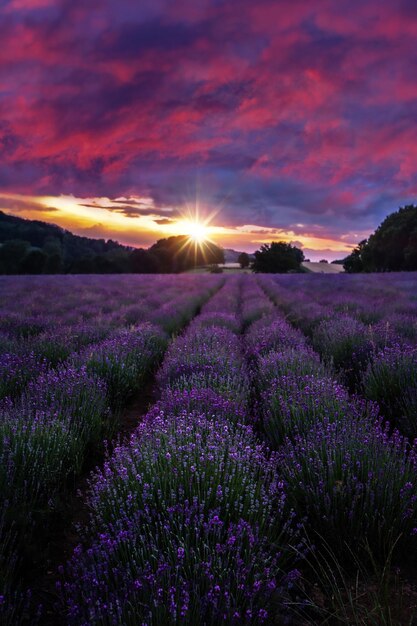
[(196, 231)]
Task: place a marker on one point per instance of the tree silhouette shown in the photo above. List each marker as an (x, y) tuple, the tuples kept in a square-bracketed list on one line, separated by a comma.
[(391, 248), (243, 260), (277, 257)]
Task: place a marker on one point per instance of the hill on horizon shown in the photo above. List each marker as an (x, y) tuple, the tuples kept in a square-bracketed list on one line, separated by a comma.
[(45, 246), (36, 247), (232, 256)]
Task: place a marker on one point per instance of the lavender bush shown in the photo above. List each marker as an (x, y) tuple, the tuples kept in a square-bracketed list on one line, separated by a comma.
[(272, 333), (16, 370), (391, 380), (71, 395), (355, 485), (57, 344), (255, 304), (190, 500), (206, 402), (181, 567), (220, 462), (293, 404), (43, 437), (301, 361), (344, 342), (404, 325), (123, 360), (20, 325), (206, 358), (229, 321)]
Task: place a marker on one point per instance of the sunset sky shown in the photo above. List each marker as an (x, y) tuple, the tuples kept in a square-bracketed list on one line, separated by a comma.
[(271, 119)]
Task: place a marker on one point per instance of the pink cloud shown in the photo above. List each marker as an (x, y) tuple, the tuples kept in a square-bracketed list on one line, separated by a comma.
[(305, 105)]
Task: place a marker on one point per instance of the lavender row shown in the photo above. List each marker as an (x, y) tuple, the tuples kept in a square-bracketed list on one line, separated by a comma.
[(371, 299), (386, 309), (46, 433), (32, 305), (342, 341), (207, 359), (186, 519), (378, 360), (31, 343), (352, 481)]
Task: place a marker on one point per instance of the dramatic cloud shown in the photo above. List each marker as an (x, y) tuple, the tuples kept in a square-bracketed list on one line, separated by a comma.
[(273, 114)]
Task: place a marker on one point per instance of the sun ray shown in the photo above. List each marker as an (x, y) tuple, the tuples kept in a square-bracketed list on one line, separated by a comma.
[(195, 230)]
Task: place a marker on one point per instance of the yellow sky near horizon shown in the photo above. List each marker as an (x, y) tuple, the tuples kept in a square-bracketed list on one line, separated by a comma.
[(138, 222)]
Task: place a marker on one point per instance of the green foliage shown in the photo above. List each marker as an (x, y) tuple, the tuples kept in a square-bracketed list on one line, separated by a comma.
[(366, 594), (354, 485), (12, 253), (33, 263), (277, 257), (392, 247), (391, 380), (144, 262), (33, 247), (354, 262)]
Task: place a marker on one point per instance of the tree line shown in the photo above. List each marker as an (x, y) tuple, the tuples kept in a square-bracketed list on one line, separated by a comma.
[(34, 247)]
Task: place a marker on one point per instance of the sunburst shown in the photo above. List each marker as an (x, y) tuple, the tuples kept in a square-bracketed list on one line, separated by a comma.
[(195, 230), (198, 231)]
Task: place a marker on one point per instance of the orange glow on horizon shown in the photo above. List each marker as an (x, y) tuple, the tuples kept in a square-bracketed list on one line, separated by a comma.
[(106, 218)]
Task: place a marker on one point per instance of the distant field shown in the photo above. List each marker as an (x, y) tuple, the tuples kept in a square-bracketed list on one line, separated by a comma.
[(312, 266), (323, 268), (230, 268)]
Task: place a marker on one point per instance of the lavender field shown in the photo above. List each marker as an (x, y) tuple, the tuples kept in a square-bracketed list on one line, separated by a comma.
[(242, 448)]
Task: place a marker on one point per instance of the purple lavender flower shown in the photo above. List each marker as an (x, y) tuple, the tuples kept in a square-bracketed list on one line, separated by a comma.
[(391, 380), (16, 370), (355, 485)]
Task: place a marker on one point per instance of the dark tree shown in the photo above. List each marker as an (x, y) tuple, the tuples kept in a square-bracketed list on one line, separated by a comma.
[(165, 258), (104, 265), (391, 248), (243, 260), (12, 254), (180, 253), (354, 262), (33, 263), (53, 264), (119, 260), (277, 257), (143, 262), (53, 249), (84, 265)]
